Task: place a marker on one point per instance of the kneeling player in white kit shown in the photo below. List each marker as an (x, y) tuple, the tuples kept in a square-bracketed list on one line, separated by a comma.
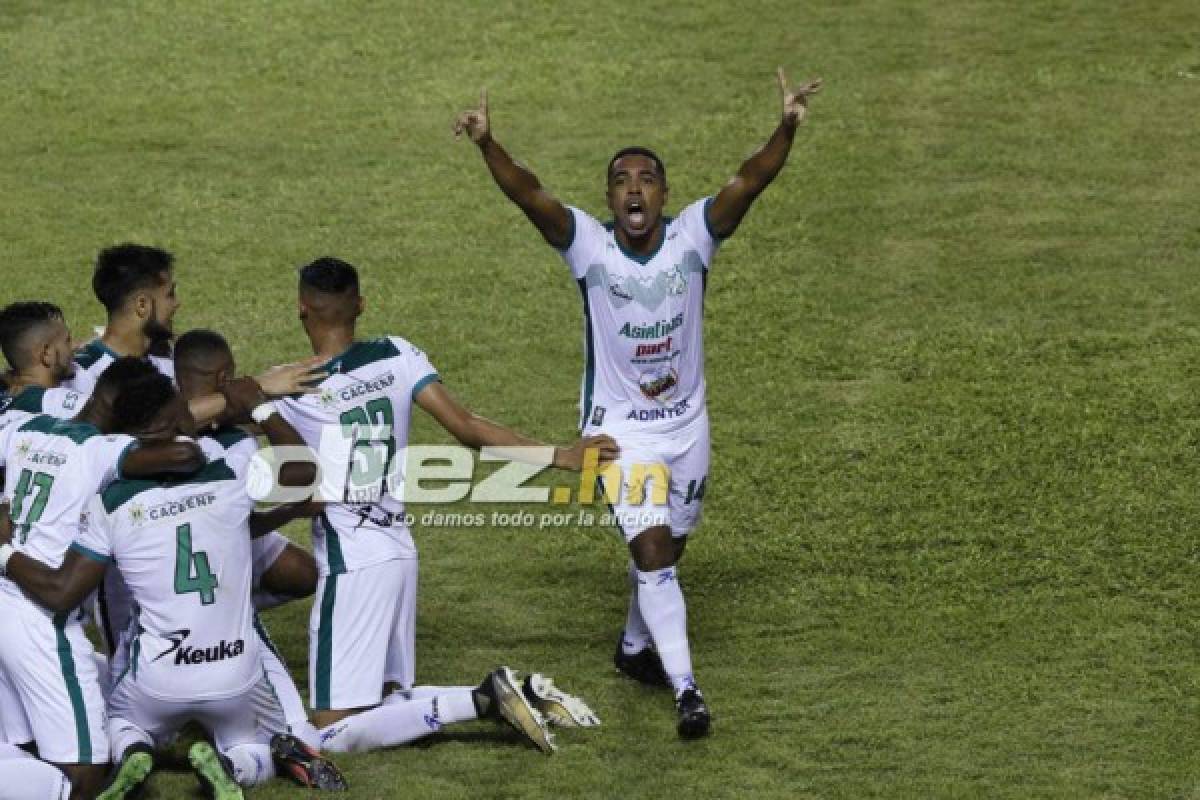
[(196, 655), (53, 469), (642, 278), (362, 633)]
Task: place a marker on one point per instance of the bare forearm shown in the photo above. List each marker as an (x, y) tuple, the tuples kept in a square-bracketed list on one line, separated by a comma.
[(42, 583), (522, 187), (761, 168), (517, 182)]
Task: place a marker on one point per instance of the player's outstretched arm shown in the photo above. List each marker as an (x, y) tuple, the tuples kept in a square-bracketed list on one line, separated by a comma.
[(61, 589), (175, 457), (300, 377), (242, 397), (474, 431), (735, 198), (548, 215)]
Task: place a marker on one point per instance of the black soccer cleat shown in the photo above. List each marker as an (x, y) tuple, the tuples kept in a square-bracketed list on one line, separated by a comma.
[(694, 717), (643, 666), (308, 767)]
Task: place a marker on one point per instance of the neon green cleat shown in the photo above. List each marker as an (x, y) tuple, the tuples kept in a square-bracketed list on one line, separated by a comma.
[(135, 767), (214, 773)]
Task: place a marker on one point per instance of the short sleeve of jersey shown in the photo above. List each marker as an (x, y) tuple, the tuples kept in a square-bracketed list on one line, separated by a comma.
[(62, 403), (95, 539), (82, 382), (420, 370), (106, 454), (239, 454), (692, 224), (587, 236)]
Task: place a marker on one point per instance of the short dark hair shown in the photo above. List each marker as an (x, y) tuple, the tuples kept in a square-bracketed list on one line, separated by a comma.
[(200, 346), (637, 151), (17, 320), (329, 275), (139, 392), (125, 269)]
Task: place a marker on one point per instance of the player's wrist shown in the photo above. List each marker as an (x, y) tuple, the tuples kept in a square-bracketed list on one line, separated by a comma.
[(6, 552), (263, 412)]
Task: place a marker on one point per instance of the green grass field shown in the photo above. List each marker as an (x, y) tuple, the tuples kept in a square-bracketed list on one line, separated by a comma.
[(950, 538)]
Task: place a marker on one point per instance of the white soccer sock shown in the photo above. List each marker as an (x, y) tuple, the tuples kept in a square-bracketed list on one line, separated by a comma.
[(396, 722), (661, 601), (124, 735), (30, 779), (252, 763), (455, 703), (636, 636), (9, 752)]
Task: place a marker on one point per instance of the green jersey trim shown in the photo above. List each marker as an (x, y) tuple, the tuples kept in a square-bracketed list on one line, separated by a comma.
[(333, 547), (28, 399), (227, 436), (89, 553), (421, 384), (77, 432), (122, 491), (360, 354), (643, 260), (92, 352)]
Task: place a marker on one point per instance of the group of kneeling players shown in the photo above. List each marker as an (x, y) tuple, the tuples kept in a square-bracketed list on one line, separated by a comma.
[(127, 467)]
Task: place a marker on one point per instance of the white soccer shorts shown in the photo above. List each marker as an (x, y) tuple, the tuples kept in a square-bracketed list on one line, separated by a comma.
[(249, 717), (51, 671), (362, 634), (678, 459)]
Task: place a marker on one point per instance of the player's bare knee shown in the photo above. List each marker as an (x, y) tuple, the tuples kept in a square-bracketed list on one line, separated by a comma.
[(653, 549)]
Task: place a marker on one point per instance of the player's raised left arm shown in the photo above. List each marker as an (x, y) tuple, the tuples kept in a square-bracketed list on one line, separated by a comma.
[(59, 589), (735, 198), (475, 431)]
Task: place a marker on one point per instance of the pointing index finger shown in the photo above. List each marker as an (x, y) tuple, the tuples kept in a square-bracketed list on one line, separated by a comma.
[(783, 86), (483, 99)]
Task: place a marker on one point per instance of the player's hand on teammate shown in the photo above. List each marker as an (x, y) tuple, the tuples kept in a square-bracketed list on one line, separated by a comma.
[(300, 377), (242, 395), (573, 457), (474, 123), (795, 100)]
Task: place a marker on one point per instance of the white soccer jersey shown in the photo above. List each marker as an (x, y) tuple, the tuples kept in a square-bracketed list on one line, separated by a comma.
[(183, 549), (96, 356), (33, 400), (52, 468), (643, 345), (370, 386)]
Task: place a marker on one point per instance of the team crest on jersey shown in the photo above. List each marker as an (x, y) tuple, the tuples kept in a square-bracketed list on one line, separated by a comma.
[(327, 398), (23, 448), (659, 384), (137, 513)]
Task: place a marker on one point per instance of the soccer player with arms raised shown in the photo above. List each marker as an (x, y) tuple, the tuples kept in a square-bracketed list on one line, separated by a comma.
[(643, 277)]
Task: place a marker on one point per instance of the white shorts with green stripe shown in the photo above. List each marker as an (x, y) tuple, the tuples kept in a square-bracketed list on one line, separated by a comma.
[(361, 635), (250, 716), (51, 671)]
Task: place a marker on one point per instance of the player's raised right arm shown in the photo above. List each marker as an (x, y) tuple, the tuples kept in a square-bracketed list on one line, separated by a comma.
[(548, 215)]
